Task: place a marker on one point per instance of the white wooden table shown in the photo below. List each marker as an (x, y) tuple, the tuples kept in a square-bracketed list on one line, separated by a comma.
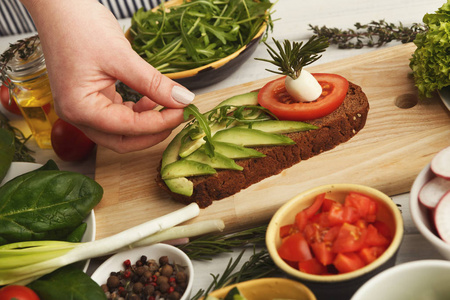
[(292, 22)]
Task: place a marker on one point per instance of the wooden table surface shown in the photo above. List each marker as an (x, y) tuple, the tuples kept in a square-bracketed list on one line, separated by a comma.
[(292, 22)]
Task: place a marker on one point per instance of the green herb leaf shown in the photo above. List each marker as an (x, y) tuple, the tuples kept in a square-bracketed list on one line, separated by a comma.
[(191, 109)]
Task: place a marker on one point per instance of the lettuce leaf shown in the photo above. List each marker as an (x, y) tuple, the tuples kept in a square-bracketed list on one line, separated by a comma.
[(430, 62)]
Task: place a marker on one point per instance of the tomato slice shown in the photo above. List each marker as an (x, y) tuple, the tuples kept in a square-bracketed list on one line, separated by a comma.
[(365, 205), (374, 238), (322, 252), (295, 248), (275, 98), (369, 254)]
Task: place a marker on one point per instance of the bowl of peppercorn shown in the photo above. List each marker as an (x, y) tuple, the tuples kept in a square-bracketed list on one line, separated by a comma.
[(158, 271)]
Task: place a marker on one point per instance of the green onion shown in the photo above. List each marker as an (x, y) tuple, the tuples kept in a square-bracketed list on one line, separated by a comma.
[(23, 262)]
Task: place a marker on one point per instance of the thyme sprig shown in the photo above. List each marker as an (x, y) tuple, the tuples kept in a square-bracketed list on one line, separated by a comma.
[(24, 48), (373, 34), (259, 265), (205, 247), (22, 152), (292, 57)]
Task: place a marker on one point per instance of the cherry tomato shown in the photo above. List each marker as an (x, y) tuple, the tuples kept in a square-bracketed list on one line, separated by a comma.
[(275, 98), (4, 97), (70, 143), (17, 292)]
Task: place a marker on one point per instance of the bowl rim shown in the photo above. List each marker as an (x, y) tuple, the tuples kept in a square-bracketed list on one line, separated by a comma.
[(214, 65), (415, 210), (272, 230)]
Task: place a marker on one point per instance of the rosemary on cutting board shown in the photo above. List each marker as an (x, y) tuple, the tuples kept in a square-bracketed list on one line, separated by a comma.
[(373, 34)]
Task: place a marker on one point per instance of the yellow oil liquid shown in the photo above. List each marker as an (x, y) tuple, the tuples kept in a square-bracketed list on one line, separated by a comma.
[(36, 103)]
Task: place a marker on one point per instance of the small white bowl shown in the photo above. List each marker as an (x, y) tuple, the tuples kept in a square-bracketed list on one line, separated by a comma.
[(420, 280), (175, 255), (421, 215)]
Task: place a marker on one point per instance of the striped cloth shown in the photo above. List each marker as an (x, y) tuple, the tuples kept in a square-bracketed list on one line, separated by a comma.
[(15, 19)]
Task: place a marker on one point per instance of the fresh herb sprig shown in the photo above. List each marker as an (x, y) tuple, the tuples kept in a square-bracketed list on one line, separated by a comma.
[(291, 57), (197, 32), (23, 48), (373, 34), (205, 247), (22, 152), (259, 265)]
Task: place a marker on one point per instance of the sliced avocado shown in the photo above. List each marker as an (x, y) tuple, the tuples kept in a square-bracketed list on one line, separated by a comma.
[(178, 185), (218, 161), (240, 100), (251, 137), (185, 168), (275, 126), (235, 151), (189, 145)]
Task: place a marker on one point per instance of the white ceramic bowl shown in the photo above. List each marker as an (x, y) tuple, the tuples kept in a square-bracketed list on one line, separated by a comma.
[(421, 215), (19, 168), (418, 280), (175, 255)]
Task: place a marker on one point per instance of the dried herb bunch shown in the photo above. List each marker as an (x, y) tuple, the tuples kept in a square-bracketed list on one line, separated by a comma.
[(373, 34), (24, 48)]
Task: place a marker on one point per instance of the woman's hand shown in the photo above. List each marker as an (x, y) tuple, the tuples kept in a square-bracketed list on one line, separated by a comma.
[(86, 53)]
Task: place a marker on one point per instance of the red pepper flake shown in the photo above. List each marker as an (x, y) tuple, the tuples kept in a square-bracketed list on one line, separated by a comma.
[(171, 289), (127, 273), (127, 263), (172, 279)]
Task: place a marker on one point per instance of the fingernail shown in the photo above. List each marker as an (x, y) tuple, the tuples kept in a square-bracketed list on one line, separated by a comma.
[(182, 95)]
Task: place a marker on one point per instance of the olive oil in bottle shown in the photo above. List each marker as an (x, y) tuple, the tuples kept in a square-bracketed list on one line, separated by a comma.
[(30, 88)]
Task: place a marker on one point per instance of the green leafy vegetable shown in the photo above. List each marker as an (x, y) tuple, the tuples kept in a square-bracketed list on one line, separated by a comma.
[(430, 62), (45, 204), (22, 152), (191, 109), (67, 283), (197, 32)]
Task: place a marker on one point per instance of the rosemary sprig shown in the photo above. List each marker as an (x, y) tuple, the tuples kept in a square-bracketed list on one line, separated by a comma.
[(22, 152), (292, 57), (259, 265), (23, 48), (373, 34), (206, 246)]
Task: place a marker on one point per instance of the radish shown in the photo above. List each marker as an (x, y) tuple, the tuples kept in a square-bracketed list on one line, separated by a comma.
[(440, 164), (442, 218), (433, 191)]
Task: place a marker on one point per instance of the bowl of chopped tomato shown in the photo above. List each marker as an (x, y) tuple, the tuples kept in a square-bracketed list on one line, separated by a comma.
[(333, 238)]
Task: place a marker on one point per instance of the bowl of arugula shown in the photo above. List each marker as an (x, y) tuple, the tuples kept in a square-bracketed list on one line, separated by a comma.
[(199, 43)]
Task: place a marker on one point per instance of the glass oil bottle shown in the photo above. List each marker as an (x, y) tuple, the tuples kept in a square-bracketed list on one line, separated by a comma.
[(30, 88)]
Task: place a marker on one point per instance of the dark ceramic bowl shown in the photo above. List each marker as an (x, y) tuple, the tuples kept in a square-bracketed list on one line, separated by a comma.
[(216, 71), (340, 286)]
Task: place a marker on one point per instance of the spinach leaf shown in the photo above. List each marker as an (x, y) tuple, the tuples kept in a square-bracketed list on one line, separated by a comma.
[(67, 283), (50, 165), (6, 151), (45, 204)]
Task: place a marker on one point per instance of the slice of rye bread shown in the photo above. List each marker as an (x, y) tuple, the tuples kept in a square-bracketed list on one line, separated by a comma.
[(334, 129)]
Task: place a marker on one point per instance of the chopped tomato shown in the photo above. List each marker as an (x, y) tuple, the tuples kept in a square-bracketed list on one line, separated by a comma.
[(323, 253), (348, 262), (287, 230), (275, 98), (295, 248), (350, 238), (365, 205), (335, 236), (369, 254), (374, 238), (312, 266)]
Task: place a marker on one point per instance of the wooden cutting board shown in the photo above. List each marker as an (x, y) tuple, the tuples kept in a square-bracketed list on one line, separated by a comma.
[(387, 154)]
